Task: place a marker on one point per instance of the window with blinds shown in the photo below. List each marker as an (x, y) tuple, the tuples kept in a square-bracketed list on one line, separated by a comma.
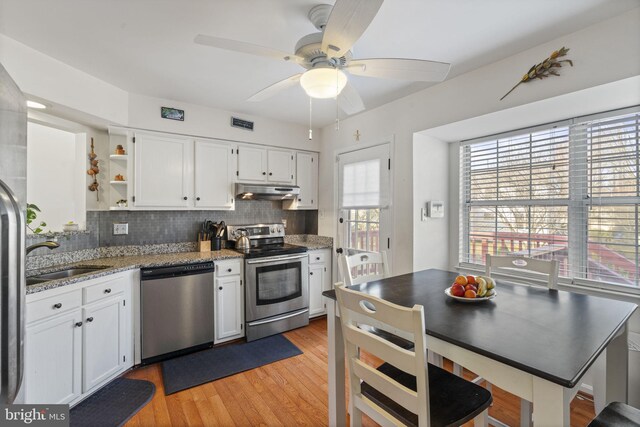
[(569, 191)]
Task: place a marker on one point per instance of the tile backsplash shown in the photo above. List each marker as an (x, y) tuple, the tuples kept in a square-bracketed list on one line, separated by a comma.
[(156, 227)]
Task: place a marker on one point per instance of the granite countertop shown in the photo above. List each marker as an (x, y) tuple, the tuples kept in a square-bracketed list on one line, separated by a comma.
[(135, 257), (123, 263)]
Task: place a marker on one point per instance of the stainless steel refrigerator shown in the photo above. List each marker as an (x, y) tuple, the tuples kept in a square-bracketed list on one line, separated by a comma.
[(13, 194)]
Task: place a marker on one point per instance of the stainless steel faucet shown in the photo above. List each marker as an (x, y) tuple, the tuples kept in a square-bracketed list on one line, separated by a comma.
[(48, 244)]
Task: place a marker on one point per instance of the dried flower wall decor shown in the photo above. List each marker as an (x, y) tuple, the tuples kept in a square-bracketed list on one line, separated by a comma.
[(544, 69), (93, 171)]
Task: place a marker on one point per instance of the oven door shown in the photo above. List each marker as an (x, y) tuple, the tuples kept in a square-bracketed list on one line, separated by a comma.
[(276, 285)]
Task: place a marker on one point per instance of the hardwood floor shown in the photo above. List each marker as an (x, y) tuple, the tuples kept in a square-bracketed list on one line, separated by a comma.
[(291, 392)]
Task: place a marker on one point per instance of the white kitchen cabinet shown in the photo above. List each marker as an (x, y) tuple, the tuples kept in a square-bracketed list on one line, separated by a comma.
[(264, 165), (104, 340), (319, 280), (163, 168), (214, 175), (53, 353), (307, 180), (228, 301), (78, 337)]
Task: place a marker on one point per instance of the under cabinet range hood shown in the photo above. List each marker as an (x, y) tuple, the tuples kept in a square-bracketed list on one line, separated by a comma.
[(266, 192)]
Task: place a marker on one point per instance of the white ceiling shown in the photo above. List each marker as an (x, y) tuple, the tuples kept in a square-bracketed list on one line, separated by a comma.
[(146, 46)]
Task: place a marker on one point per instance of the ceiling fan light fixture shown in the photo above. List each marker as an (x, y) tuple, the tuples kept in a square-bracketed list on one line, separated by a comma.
[(323, 82)]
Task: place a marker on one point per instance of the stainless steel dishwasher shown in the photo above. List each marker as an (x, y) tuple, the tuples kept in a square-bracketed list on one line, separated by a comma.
[(177, 310)]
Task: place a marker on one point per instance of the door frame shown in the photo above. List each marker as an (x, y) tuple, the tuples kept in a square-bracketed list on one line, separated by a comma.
[(390, 140)]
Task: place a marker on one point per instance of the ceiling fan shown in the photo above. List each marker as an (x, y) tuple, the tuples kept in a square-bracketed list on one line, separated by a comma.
[(326, 55)]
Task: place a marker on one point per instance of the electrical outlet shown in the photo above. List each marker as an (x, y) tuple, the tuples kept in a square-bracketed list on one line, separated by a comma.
[(120, 228), (284, 222), (423, 214)]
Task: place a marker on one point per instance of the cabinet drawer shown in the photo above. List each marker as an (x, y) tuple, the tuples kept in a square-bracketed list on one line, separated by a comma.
[(228, 268), (51, 306), (103, 289), (317, 257)]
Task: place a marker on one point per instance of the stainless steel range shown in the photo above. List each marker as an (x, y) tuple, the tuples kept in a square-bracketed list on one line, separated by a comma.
[(277, 281)]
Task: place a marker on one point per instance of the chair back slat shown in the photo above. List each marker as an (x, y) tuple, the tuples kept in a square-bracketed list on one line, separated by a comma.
[(364, 267), (548, 267), (356, 307)]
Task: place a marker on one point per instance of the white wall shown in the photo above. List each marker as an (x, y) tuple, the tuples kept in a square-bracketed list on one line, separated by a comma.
[(54, 161), (48, 79), (144, 113), (602, 53)]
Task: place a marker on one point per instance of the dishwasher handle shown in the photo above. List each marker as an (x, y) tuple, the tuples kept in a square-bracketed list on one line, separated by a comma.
[(155, 273)]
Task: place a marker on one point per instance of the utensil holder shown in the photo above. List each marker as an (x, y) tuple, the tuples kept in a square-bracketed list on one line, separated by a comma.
[(204, 246), (216, 243)]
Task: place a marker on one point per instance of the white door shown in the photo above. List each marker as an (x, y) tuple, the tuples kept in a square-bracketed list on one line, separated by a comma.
[(229, 305), (364, 184), (252, 164), (103, 343), (214, 175), (53, 352), (307, 174), (163, 171), (280, 164)]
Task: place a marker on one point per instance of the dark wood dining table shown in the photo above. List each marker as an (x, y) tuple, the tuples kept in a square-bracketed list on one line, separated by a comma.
[(532, 341)]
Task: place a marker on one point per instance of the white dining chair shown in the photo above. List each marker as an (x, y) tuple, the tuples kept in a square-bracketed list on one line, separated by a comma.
[(364, 267), (404, 389), (508, 264)]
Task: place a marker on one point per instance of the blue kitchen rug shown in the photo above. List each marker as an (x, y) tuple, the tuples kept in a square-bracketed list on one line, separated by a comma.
[(114, 404), (198, 368)]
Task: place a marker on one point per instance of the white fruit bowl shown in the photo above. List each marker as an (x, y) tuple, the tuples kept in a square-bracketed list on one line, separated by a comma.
[(463, 299)]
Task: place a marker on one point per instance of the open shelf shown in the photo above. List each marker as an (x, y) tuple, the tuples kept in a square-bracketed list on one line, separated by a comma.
[(119, 156), (116, 208), (118, 182)]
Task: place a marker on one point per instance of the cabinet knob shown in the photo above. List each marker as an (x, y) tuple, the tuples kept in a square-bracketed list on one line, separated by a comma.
[(299, 200), (220, 288), (78, 324), (270, 173), (89, 319), (229, 270), (197, 198), (311, 273), (107, 291), (264, 173), (185, 197), (57, 305)]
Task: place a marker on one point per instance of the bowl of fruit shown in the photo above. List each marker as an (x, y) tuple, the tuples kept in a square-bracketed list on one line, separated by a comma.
[(472, 289)]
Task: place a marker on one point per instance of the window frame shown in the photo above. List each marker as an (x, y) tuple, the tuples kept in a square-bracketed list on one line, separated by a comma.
[(577, 204)]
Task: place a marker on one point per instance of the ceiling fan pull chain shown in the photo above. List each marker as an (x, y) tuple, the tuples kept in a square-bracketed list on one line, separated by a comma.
[(310, 116), (338, 94)]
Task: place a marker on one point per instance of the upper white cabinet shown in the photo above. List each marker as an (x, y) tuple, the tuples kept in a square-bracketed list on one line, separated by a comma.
[(163, 171), (265, 165), (175, 172), (214, 175), (307, 180)]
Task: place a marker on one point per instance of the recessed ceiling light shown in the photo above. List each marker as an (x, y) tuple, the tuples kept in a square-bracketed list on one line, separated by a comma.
[(37, 105)]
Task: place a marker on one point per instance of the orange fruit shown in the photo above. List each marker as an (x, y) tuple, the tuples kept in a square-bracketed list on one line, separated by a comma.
[(470, 293), (471, 280), (461, 280)]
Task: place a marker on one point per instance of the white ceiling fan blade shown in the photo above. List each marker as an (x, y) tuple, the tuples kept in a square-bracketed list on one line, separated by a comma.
[(252, 49), (269, 91), (349, 100), (348, 20), (400, 69)]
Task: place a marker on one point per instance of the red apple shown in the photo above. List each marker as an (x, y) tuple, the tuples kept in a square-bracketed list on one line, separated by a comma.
[(471, 288), (457, 290)]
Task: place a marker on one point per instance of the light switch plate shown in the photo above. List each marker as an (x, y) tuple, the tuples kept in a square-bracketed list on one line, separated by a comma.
[(120, 228), (423, 214)]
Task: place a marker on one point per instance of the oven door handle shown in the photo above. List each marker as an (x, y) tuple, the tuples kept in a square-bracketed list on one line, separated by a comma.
[(275, 259), (275, 319)]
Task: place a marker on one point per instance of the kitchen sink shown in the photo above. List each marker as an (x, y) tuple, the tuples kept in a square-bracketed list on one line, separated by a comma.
[(62, 274)]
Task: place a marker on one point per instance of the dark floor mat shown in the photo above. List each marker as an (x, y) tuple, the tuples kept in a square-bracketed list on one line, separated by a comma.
[(208, 365), (114, 404)]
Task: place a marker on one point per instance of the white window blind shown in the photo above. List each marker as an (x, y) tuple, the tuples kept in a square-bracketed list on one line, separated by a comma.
[(364, 178), (570, 192)]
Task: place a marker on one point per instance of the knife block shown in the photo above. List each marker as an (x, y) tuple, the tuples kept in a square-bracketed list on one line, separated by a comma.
[(204, 246)]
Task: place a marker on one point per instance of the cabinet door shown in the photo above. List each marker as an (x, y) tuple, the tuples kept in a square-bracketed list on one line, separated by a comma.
[(214, 175), (280, 164), (163, 171), (307, 174), (103, 341), (53, 367), (229, 309), (316, 283), (252, 164)]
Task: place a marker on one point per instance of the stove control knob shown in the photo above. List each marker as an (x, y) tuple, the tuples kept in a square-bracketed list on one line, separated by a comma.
[(273, 229), (279, 229)]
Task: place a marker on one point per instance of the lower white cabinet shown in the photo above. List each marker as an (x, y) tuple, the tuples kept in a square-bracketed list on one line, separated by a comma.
[(228, 301), (77, 338), (319, 280)]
